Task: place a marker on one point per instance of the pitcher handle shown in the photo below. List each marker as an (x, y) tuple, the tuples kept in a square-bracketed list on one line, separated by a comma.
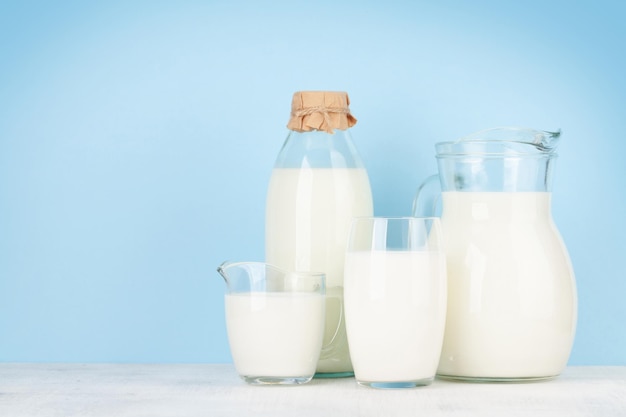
[(427, 197)]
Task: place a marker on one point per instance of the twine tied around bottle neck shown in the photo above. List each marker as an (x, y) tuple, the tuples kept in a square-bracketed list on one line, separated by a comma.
[(324, 111)]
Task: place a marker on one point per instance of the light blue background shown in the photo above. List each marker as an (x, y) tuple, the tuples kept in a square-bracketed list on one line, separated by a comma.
[(137, 139)]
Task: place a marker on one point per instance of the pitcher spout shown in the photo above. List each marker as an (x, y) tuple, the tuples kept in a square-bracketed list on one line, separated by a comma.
[(548, 140)]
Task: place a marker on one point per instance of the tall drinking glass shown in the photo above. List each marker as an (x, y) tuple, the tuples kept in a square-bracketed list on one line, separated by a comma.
[(395, 300)]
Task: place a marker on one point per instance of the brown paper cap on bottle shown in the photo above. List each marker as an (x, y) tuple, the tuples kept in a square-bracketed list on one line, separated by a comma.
[(320, 110)]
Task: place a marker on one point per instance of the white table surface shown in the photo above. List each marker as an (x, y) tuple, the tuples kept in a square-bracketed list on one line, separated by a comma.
[(119, 390)]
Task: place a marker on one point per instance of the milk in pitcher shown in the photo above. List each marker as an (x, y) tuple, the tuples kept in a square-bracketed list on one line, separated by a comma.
[(511, 290)]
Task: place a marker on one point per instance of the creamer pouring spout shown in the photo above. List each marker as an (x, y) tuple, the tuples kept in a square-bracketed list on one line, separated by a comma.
[(256, 276)]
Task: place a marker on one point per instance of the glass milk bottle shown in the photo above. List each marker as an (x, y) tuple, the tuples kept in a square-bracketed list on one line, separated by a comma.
[(317, 186)]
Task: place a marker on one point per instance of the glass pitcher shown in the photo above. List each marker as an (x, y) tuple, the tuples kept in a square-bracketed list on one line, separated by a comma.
[(512, 303)]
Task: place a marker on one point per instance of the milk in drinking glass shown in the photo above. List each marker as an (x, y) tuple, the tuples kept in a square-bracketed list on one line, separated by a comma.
[(395, 301)]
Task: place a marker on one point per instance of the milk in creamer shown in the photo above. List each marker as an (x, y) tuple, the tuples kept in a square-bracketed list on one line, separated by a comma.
[(275, 334)]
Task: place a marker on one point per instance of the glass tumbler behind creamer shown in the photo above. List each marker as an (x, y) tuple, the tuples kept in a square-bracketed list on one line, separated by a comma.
[(512, 302), (317, 186)]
